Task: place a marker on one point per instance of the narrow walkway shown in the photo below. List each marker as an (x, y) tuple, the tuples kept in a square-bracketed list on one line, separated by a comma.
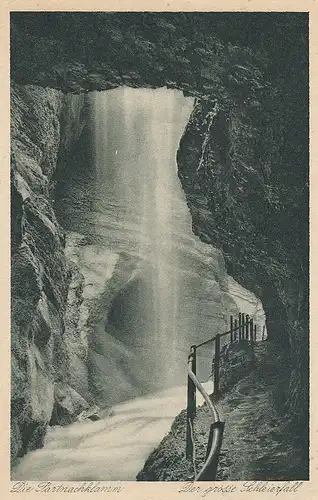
[(254, 445), (257, 444)]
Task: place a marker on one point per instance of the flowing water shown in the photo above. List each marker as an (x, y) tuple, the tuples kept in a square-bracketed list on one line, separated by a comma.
[(124, 206), (136, 136), (112, 449), (151, 287)]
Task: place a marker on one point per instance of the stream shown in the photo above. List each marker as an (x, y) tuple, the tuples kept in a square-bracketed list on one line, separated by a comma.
[(114, 448), (151, 287)]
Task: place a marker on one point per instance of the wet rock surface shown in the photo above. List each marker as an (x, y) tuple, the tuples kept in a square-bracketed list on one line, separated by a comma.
[(40, 273), (248, 194), (237, 361), (243, 164)]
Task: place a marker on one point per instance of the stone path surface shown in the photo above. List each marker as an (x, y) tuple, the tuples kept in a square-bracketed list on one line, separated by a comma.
[(257, 443)]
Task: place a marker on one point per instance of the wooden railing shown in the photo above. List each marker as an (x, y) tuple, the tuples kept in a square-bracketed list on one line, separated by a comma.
[(242, 328)]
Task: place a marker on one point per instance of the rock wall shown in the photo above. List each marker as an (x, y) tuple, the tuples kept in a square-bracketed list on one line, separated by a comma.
[(243, 163), (40, 274), (247, 190)]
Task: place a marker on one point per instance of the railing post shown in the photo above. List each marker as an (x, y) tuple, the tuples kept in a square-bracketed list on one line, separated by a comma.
[(247, 319), (216, 389), (191, 403), (231, 328), (251, 331), (235, 328), (240, 325), (263, 334), (243, 326)]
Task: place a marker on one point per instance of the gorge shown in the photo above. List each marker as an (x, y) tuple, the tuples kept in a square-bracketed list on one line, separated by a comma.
[(77, 291)]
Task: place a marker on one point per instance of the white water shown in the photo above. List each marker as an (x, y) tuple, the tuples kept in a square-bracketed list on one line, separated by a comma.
[(177, 294), (137, 132), (112, 449)]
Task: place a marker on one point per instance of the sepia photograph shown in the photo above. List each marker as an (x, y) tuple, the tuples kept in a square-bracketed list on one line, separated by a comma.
[(159, 176)]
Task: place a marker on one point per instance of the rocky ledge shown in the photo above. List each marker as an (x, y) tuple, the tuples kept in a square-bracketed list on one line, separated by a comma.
[(243, 164), (257, 444)]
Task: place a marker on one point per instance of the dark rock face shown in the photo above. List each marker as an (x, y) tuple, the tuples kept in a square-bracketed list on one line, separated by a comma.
[(237, 361), (248, 194), (191, 52), (40, 275), (243, 164)]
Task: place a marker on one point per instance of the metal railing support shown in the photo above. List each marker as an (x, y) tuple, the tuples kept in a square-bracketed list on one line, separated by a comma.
[(252, 331), (216, 388), (247, 324), (235, 329), (191, 403), (263, 333), (242, 326), (231, 328), (208, 471)]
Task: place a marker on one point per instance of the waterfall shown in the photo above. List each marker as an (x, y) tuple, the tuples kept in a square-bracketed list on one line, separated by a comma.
[(152, 288), (136, 136)]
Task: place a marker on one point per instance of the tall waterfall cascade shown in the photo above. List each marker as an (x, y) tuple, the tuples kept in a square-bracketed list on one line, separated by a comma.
[(129, 206), (151, 287)]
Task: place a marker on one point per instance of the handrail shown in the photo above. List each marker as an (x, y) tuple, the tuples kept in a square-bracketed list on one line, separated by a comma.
[(202, 390), (225, 333), (217, 436), (247, 331)]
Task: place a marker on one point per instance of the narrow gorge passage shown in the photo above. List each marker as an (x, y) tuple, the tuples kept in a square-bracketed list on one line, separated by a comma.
[(153, 154), (151, 287)]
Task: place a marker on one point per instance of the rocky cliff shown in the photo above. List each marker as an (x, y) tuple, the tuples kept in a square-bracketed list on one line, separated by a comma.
[(243, 164), (248, 193), (40, 274)]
